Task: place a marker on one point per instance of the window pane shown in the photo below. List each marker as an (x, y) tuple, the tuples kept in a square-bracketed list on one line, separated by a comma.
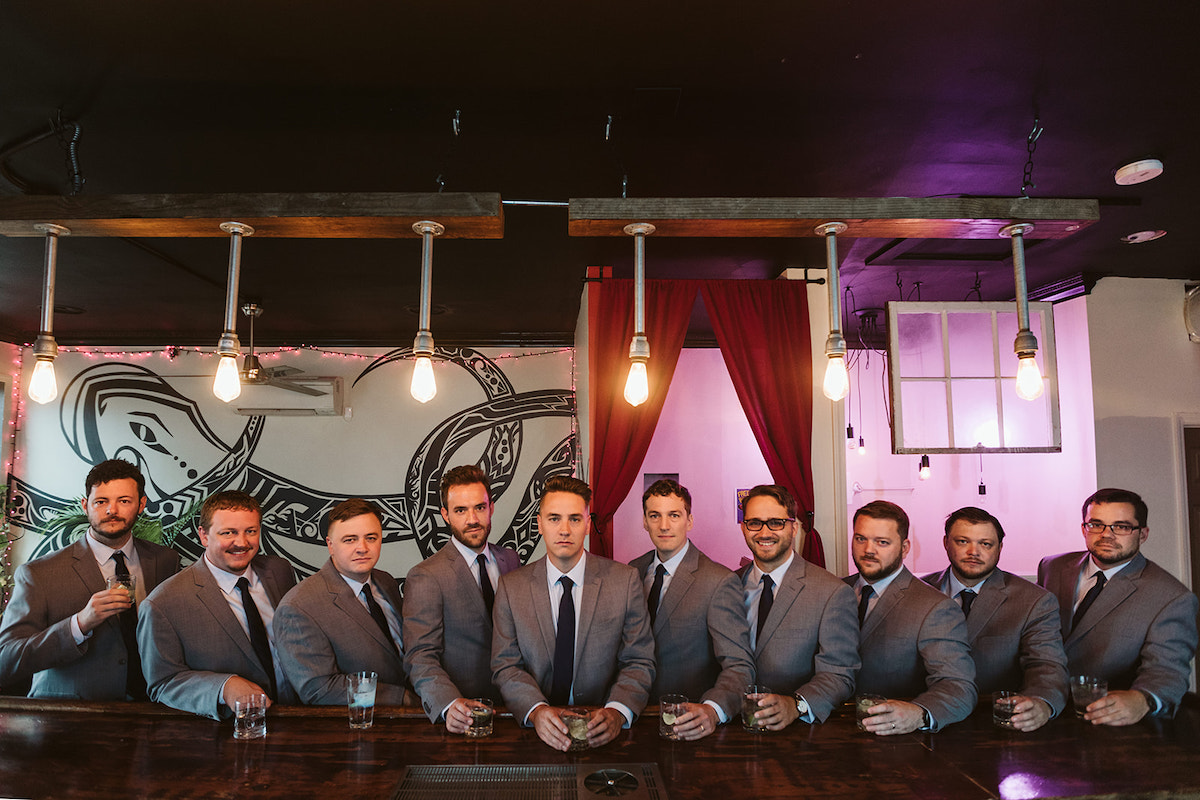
[(920, 345), (975, 418), (971, 354), (925, 421), (1026, 422)]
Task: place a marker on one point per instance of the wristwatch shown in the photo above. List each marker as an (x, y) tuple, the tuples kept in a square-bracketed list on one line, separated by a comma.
[(801, 706)]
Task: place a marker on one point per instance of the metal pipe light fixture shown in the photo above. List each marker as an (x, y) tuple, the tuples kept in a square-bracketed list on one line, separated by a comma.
[(1029, 378), (424, 386), (837, 381), (43, 387), (637, 384), (227, 385)]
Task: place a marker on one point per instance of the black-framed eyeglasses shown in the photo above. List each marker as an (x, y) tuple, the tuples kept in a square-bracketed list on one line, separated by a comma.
[(775, 523), (1118, 528)]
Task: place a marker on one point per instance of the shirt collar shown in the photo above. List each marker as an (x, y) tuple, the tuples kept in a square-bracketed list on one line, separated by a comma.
[(102, 552), (470, 555), (776, 574), (880, 586), (575, 573), (671, 563), (227, 580)]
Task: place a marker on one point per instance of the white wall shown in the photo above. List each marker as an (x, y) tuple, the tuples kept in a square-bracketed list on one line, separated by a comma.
[(1035, 496), (1146, 375)]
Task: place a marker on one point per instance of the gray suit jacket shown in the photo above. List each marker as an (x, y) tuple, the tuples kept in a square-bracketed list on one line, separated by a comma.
[(614, 648), (35, 636), (191, 642), (809, 643), (701, 639), (1139, 634), (1015, 638), (323, 633), (447, 629), (914, 647)]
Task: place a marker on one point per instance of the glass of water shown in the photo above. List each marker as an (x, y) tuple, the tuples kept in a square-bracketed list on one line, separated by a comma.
[(250, 716), (360, 694), (481, 718)]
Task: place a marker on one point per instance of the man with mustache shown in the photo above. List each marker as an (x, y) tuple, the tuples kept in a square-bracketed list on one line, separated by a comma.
[(1124, 618), (448, 608), (803, 631), (913, 637), (345, 618), (572, 629), (1012, 624), (205, 634), (63, 628)]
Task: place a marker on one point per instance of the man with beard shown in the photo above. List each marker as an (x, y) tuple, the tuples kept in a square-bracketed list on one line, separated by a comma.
[(913, 637), (205, 635), (1012, 624), (62, 627), (448, 605), (1124, 618), (345, 618), (803, 631)]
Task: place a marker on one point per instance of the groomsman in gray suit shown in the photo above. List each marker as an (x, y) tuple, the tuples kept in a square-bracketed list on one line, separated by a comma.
[(205, 634), (1125, 618), (63, 628), (346, 618), (701, 640), (572, 629), (802, 624), (448, 613), (913, 637), (1012, 624)]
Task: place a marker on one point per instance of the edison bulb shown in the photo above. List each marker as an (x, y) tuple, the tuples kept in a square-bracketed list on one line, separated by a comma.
[(43, 387), (637, 385), (1029, 379), (837, 382), (424, 387), (227, 385)]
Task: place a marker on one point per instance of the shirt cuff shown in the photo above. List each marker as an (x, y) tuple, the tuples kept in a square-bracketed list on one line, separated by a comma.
[(525, 721), (720, 712), (625, 712), (807, 716), (932, 726), (76, 633)]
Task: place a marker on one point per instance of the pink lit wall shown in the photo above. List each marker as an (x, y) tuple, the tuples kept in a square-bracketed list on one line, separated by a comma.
[(702, 435), (1035, 496)]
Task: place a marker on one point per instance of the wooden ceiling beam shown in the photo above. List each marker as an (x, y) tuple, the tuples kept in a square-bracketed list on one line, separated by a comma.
[(872, 218), (323, 215)]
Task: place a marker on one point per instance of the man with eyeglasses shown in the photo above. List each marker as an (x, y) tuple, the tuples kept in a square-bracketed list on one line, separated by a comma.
[(913, 638), (701, 642), (803, 628), (1124, 618), (1012, 624)]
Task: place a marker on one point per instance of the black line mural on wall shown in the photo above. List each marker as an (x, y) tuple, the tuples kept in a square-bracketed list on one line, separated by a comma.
[(124, 410)]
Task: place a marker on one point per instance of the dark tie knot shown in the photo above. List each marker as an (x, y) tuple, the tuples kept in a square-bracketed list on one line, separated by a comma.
[(567, 583)]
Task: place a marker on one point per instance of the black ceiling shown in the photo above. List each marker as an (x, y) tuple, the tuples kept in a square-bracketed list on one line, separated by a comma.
[(788, 99)]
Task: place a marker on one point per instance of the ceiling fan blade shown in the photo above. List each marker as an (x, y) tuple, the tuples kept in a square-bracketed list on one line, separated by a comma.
[(292, 386)]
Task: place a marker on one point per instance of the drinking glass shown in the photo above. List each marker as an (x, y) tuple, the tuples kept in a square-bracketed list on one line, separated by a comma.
[(670, 707), (863, 702), (1085, 690), (1002, 709), (750, 697), (360, 696), (481, 718), (250, 716), (576, 720)]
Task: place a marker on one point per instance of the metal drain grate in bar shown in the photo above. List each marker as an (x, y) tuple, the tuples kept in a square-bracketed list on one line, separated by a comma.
[(530, 782)]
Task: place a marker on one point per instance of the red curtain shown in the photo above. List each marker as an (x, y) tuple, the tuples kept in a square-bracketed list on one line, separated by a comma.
[(762, 329), (621, 434)]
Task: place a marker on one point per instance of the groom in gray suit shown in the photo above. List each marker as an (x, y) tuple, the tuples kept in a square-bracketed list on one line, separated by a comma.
[(63, 628), (346, 618), (701, 640), (572, 629), (1012, 624), (1125, 619), (205, 634), (913, 638), (448, 613)]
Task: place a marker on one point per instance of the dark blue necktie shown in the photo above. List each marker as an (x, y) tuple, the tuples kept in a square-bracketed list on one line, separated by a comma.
[(967, 597), (765, 601), (258, 636), (656, 593), (135, 681), (863, 602), (1088, 599), (564, 647)]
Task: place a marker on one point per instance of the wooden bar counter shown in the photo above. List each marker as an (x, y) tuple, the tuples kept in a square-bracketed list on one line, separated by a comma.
[(63, 749)]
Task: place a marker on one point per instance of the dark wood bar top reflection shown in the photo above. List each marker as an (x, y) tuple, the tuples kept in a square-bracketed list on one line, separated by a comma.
[(67, 749)]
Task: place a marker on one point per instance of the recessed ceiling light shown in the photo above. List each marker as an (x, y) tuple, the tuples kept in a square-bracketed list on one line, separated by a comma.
[(1139, 172), (1143, 236)]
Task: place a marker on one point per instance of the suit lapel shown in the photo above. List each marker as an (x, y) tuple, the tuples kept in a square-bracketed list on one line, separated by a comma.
[(587, 605), (539, 599), (209, 593), (465, 577), (86, 567), (785, 595), (681, 581), (992, 595), (1063, 586), (507, 560), (1123, 584), (889, 600), (343, 598)]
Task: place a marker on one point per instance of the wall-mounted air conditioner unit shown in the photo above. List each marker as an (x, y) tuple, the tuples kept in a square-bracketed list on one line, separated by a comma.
[(278, 401)]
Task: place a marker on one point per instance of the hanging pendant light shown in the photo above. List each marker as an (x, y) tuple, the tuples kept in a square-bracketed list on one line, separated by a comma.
[(923, 470), (227, 385), (424, 385), (837, 381), (1029, 377), (43, 387), (637, 384)]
